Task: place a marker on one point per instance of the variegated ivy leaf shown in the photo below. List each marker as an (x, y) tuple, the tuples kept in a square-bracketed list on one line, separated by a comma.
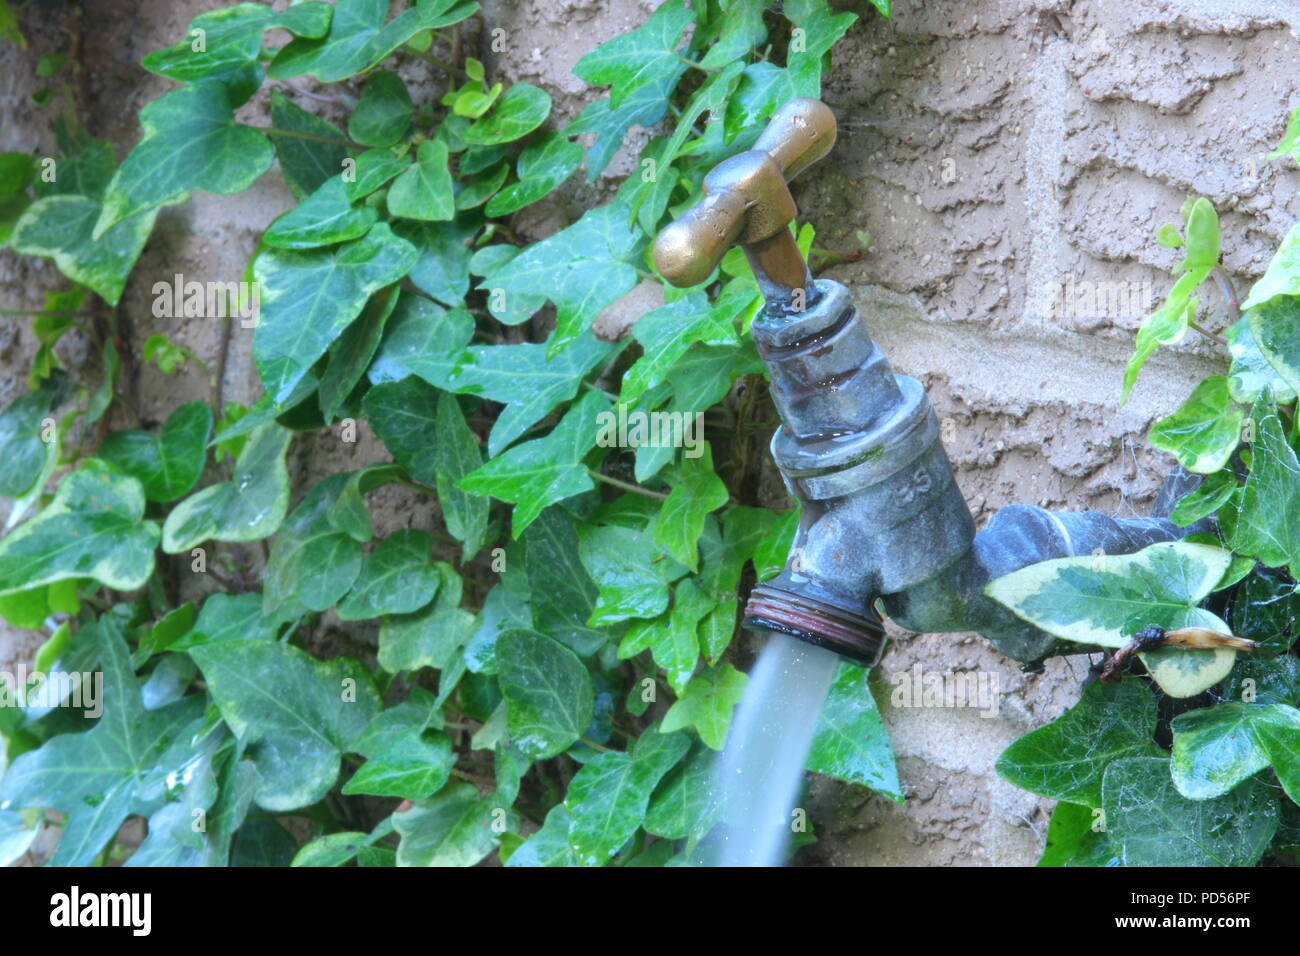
[(94, 528), (545, 470), (1282, 277), (61, 228), (224, 41), (1106, 599), (308, 297), (191, 141), (1251, 372), (1268, 521), (1204, 432), (296, 714), (249, 506), (581, 269), (1185, 673), (1275, 325), (359, 39), (1216, 748)]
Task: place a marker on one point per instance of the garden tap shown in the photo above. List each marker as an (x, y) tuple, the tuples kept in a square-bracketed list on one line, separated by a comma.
[(884, 523)]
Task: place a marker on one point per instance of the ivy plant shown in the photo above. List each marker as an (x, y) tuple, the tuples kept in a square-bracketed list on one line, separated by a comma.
[(1197, 761), (543, 668)]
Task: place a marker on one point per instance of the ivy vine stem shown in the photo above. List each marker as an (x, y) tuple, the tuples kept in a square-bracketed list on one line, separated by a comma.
[(312, 137), (627, 485)]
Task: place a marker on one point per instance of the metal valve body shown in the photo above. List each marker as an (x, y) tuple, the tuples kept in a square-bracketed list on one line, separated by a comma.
[(859, 447)]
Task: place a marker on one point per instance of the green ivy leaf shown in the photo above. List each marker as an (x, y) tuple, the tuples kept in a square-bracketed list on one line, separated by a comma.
[(310, 296), (22, 448), (1266, 610), (608, 798), (169, 464), (430, 637), (674, 642), (644, 106), (668, 332), (308, 163), (373, 169), (545, 470), (61, 228), (383, 114), (1216, 748), (424, 339), (543, 165), (322, 219), (561, 594), (316, 555), (453, 828), (359, 39), (522, 377), (851, 742), (1268, 522), (94, 528), (1106, 599), (1165, 326), (1275, 326), (521, 110), (696, 491), (548, 693), (115, 769), (231, 39), (227, 617), (191, 141), (442, 271), (248, 507), (682, 805), (397, 577), (1204, 432), (424, 191), (743, 31), (350, 355), (1205, 499), (1075, 838), (632, 60), (1251, 372), (707, 704), (632, 574), (1066, 759), (1150, 824), (411, 766), (1290, 145), (297, 715), (582, 269)]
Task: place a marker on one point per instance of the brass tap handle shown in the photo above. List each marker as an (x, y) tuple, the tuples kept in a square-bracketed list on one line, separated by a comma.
[(748, 202)]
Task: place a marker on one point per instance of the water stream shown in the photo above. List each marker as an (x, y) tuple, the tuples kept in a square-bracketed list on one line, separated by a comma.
[(759, 772)]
